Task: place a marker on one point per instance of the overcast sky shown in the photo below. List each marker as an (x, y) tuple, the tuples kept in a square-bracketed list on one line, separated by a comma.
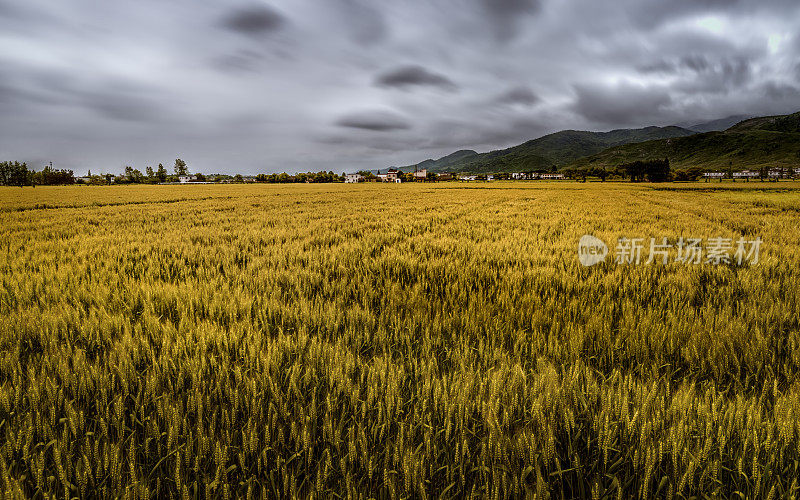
[(300, 85)]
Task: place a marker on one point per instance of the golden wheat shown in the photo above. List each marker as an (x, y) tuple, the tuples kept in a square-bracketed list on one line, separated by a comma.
[(395, 341)]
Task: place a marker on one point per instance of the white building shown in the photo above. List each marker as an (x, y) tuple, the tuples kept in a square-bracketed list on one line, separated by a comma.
[(552, 176), (745, 174), (421, 175), (389, 176), (714, 175), (187, 178), (353, 178)]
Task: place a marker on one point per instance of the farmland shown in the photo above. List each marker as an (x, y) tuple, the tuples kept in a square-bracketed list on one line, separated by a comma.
[(395, 341)]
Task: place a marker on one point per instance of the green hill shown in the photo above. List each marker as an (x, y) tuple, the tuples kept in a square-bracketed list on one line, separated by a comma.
[(546, 152), (772, 141), (443, 163)]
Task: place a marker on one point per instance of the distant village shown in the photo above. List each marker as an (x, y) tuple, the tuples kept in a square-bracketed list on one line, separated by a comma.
[(18, 174), (746, 175), (422, 175)]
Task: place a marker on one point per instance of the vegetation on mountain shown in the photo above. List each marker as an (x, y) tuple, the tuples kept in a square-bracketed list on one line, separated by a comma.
[(765, 142), (754, 143), (546, 153)]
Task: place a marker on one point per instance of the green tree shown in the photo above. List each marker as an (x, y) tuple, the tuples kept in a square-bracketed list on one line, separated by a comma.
[(14, 173), (658, 170), (180, 167), (162, 173), (51, 176)]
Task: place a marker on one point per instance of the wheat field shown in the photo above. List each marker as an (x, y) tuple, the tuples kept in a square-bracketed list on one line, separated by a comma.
[(395, 341)]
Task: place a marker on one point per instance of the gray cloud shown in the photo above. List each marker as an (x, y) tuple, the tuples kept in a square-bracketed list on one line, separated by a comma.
[(411, 76), (622, 104), (303, 85), (781, 92), (365, 22), (380, 121), (506, 16), (253, 20), (518, 95), (700, 73), (695, 63)]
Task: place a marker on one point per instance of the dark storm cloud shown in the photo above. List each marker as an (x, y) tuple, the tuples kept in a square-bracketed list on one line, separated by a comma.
[(380, 121), (506, 16), (253, 20), (781, 92), (450, 135), (303, 85), (518, 95), (737, 69), (411, 76), (109, 98), (695, 63), (622, 104), (721, 77)]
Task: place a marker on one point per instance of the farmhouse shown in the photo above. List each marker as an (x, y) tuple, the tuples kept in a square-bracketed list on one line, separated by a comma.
[(389, 176), (552, 176), (353, 178), (420, 175), (183, 179), (745, 174), (713, 175)]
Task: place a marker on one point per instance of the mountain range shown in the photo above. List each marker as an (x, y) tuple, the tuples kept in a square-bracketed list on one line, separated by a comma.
[(769, 141), (714, 125), (738, 140)]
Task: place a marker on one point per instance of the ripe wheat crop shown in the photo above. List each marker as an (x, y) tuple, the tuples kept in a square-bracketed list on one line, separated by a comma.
[(395, 341)]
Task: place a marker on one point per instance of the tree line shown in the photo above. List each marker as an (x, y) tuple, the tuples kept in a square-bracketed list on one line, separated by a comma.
[(284, 178), (18, 174), (637, 171)]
